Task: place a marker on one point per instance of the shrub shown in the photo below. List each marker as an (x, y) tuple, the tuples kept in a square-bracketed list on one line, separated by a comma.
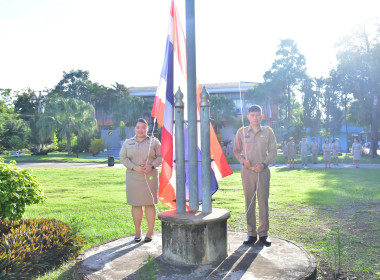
[(31, 247), (18, 188), (44, 152), (62, 145), (96, 146), (122, 131), (16, 143)]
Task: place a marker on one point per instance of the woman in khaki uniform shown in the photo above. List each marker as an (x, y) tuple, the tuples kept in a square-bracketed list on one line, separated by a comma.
[(141, 155), (291, 152), (326, 148), (335, 151), (356, 151)]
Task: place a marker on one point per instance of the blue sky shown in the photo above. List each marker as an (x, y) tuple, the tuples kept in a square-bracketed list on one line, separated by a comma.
[(124, 40)]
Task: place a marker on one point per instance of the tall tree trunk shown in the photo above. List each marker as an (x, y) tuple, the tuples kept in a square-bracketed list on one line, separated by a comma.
[(288, 105), (374, 126), (345, 120), (69, 152)]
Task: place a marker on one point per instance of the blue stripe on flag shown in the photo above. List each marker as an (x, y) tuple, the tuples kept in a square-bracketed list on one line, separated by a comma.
[(214, 182), (169, 77)]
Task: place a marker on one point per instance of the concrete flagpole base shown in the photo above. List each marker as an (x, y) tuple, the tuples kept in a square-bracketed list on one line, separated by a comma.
[(194, 238)]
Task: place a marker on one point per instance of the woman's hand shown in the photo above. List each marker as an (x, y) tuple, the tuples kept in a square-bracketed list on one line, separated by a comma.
[(139, 169), (147, 169)]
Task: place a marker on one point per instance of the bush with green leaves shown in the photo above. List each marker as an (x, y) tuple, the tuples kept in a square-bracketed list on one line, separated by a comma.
[(16, 143), (34, 246), (96, 146), (18, 188)]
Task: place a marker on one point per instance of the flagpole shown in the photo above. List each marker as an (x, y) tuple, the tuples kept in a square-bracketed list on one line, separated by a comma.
[(192, 106), (205, 146)]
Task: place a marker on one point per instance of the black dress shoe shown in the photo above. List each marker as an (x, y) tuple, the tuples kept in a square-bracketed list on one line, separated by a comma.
[(265, 240), (147, 239), (137, 239), (250, 239)]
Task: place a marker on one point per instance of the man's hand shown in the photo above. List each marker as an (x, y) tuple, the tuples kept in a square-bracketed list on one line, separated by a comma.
[(258, 167), (246, 164)]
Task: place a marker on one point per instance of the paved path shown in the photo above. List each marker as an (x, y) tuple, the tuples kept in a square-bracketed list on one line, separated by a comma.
[(118, 165), (68, 164)]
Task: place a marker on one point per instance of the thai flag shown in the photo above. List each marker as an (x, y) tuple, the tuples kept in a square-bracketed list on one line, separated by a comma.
[(174, 75)]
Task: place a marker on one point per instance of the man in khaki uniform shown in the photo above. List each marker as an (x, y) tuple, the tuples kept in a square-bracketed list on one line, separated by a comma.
[(314, 150), (304, 146), (255, 148)]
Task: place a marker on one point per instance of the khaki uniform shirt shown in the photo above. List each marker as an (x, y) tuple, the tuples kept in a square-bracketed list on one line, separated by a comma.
[(135, 153), (259, 147), (304, 147), (291, 150), (314, 147)]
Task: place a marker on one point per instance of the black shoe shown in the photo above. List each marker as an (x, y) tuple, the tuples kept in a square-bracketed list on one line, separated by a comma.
[(137, 239), (147, 239), (250, 239), (265, 240)]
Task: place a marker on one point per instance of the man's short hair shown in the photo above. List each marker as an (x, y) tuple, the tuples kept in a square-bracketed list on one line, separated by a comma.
[(255, 108)]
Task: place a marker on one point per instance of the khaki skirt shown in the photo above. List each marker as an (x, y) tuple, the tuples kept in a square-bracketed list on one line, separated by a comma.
[(142, 189)]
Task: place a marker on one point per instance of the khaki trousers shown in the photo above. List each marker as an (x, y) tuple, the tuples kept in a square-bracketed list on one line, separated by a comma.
[(304, 158), (315, 157), (260, 181)]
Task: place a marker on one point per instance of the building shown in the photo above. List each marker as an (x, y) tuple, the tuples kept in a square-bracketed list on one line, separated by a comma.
[(235, 91)]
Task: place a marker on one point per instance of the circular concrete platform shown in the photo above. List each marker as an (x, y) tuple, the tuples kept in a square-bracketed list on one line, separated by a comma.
[(124, 259)]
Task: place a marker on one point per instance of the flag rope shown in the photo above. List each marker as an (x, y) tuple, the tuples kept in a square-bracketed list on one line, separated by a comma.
[(146, 179), (239, 227)]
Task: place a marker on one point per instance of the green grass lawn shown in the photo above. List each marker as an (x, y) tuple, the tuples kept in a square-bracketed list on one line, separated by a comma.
[(56, 157), (344, 158), (327, 211), (87, 158)]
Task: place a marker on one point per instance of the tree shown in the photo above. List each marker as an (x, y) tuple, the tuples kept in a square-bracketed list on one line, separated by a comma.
[(26, 104), (106, 100), (222, 111), (6, 96), (287, 73), (344, 86), (74, 84), (13, 131), (129, 109), (68, 116), (311, 115), (359, 60)]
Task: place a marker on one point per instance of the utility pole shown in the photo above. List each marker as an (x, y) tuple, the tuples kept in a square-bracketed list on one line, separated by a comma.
[(40, 108)]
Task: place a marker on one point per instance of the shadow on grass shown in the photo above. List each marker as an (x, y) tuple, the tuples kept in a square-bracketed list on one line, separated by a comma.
[(337, 188), (338, 203), (67, 275)]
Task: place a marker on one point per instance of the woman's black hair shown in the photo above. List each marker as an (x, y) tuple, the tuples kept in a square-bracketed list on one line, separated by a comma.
[(142, 121)]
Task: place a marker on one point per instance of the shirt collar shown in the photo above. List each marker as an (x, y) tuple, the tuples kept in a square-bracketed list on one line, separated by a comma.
[(251, 129), (135, 138)]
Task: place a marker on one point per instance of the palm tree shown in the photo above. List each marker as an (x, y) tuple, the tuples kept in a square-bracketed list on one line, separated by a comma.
[(68, 116), (129, 109), (222, 111)]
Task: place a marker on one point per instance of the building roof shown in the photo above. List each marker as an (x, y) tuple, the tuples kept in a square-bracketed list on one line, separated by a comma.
[(211, 88)]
